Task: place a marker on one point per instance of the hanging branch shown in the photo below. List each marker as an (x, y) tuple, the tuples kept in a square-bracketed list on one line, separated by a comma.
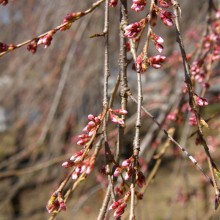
[(212, 166), (46, 37)]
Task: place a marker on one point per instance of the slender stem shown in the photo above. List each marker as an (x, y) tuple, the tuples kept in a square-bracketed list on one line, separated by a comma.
[(193, 160), (211, 164), (94, 6)]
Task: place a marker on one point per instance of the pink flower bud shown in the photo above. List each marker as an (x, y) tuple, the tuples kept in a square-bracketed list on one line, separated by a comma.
[(138, 5), (159, 47), (91, 117), (133, 30), (113, 3), (115, 204), (140, 179), (166, 17), (3, 47), (126, 163), (120, 111), (120, 210), (67, 164), (118, 171), (201, 101)]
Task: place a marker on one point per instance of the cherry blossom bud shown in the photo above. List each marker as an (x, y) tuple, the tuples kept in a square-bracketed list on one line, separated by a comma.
[(126, 163), (91, 117), (77, 156), (120, 111), (117, 171), (120, 210), (159, 48), (46, 40), (163, 4), (69, 19), (62, 205), (156, 61), (116, 119), (3, 47), (67, 164), (133, 30), (140, 179), (201, 101), (138, 5), (166, 17), (32, 47), (75, 176), (141, 64), (113, 3), (115, 204)]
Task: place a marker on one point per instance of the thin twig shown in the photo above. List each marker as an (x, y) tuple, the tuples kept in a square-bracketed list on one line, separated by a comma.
[(212, 165), (54, 30)]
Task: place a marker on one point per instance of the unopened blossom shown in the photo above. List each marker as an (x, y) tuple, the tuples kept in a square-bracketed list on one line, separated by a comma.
[(158, 41), (138, 5), (140, 179), (166, 17), (115, 204), (55, 203), (133, 30), (113, 3), (46, 40), (126, 162), (68, 164), (117, 171), (120, 210), (32, 47), (69, 19), (201, 101), (77, 156), (165, 4), (141, 63), (156, 61), (3, 47)]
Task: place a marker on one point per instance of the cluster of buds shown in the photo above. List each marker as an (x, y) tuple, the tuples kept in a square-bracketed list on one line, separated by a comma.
[(158, 41), (165, 4), (32, 47), (69, 19), (85, 167), (127, 165), (114, 115), (113, 3), (200, 101), (46, 40), (166, 17), (83, 140), (120, 205), (138, 5), (141, 63), (3, 2), (156, 61), (56, 203), (120, 189), (198, 71), (134, 30)]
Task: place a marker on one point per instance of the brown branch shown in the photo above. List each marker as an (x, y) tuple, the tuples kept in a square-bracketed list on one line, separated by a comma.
[(54, 30), (212, 165)]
